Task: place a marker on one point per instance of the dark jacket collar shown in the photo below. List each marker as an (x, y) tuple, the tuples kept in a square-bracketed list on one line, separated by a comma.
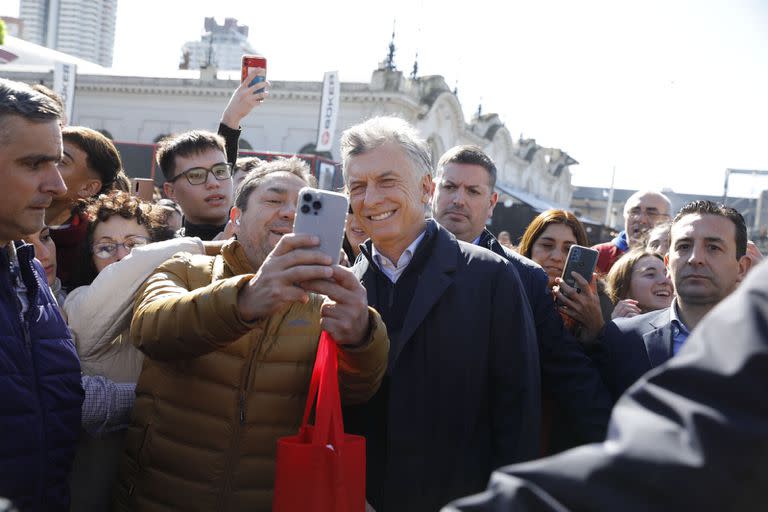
[(205, 232), (658, 342), (235, 258), (441, 260), (488, 241), (18, 260)]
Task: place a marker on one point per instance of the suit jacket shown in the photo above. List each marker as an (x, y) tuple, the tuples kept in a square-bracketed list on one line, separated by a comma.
[(630, 347), (582, 402), (463, 378), (690, 436)]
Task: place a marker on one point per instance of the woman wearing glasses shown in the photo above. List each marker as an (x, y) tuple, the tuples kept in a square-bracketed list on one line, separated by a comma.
[(98, 313), (122, 254)]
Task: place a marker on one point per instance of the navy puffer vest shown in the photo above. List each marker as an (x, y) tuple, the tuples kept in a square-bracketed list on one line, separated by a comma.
[(40, 392)]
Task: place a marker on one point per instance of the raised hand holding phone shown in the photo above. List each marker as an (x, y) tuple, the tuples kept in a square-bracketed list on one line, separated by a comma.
[(324, 214), (251, 63), (294, 259), (248, 95), (345, 311)]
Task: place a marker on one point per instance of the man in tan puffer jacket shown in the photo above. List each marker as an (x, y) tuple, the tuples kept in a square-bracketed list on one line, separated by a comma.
[(230, 342)]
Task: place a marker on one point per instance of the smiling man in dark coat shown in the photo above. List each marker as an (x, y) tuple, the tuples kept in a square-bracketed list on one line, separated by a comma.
[(461, 395)]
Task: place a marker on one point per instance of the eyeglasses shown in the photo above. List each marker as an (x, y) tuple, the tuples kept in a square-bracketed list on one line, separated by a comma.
[(653, 215), (199, 175), (108, 249)]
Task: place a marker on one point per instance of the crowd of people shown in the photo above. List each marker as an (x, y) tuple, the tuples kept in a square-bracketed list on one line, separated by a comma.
[(154, 351)]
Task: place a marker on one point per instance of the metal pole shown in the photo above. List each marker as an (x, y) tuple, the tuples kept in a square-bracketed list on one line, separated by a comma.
[(609, 206)]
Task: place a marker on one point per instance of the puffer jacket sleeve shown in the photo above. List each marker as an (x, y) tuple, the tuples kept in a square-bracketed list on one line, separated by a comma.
[(98, 313), (175, 318), (362, 368)]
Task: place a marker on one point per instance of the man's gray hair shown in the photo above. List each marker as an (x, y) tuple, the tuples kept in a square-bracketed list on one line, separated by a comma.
[(378, 131), (19, 99), (293, 165)]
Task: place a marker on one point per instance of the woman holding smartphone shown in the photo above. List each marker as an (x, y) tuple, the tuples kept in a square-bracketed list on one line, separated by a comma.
[(547, 241)]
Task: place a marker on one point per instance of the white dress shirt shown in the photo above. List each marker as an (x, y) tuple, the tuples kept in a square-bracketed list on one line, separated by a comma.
[(394, 270)]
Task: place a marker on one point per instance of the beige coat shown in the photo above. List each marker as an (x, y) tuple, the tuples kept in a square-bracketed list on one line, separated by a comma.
[(216, 392), (99, 314)]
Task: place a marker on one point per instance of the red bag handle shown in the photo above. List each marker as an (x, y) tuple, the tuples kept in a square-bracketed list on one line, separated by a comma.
[(329, 425)]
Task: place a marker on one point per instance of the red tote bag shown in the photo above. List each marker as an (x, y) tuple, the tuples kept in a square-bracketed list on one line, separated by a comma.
[(321, 468)]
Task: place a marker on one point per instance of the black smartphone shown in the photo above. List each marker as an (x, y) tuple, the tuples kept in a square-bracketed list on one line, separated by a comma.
[(581, 260)]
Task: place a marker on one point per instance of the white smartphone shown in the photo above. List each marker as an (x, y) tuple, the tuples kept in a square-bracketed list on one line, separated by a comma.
[(324, 214)]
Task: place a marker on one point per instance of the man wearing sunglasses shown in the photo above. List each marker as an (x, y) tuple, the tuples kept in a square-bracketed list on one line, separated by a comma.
[(199, 178)]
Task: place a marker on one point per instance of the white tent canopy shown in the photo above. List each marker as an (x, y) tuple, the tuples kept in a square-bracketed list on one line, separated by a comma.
[(21, 55)]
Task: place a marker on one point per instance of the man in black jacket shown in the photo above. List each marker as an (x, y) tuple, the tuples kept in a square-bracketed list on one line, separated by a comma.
[(463, 200), (461, 394), (691, 435)]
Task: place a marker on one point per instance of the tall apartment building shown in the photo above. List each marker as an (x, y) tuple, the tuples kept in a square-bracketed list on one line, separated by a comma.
[(222, 46), (83, 28)]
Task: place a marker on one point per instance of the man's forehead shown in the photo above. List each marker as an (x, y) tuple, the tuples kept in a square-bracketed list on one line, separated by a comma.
[(204, 158), (281, 182), (14, 129), (466, 174), (649, 200), (696, 225), (73, 150), (388, 158)]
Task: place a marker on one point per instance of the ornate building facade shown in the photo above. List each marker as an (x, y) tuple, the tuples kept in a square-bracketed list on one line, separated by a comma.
[(143, 109)]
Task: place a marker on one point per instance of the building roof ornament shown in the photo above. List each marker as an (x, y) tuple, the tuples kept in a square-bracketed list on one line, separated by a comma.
[(389, 62)]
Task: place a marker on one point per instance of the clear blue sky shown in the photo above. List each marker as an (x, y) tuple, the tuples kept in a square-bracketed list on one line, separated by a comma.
[(671, 92)]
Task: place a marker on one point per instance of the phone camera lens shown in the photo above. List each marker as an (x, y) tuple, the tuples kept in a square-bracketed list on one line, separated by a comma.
[(317, 205), (304, 208), (307, 197)]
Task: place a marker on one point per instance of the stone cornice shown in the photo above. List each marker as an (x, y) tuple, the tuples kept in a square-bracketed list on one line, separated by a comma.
[(280, 90)]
